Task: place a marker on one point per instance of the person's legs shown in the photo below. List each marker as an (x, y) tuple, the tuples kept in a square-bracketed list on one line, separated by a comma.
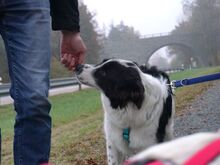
[(25, 28)]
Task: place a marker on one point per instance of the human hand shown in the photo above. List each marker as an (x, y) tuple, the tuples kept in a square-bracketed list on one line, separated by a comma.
[(73, 49)]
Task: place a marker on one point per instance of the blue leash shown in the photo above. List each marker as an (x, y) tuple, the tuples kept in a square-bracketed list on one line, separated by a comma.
[(196, 80)]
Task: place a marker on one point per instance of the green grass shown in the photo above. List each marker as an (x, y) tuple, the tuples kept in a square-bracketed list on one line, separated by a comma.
[(74, 115), (69, 107), (194, 73), (6, 120), (65, 108), (78, 122)]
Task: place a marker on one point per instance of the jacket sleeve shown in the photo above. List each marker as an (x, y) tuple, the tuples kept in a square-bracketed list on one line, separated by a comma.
[(65, 15)]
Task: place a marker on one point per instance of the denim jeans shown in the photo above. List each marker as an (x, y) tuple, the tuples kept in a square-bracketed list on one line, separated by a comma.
[(25, 29)]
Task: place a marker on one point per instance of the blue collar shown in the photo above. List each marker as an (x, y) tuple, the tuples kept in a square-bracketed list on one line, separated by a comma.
[(126, 134)]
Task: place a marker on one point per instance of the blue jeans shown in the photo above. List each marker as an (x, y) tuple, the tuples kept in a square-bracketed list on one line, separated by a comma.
[(25, 29)]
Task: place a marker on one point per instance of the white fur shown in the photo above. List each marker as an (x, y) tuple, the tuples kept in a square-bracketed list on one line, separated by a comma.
[(143, 122)]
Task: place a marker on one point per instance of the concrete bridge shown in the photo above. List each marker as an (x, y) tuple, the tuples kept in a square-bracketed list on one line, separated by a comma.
[(143, 49), (152, 43)]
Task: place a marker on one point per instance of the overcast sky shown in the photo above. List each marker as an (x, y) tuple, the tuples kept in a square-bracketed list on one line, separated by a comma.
[(146, 16)]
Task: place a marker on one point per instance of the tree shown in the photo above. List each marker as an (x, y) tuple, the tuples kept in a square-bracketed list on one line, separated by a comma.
[(123, 32), (159, 60), (206, 21), (121, 42), (181, 55), (91, 37), (203, 19)]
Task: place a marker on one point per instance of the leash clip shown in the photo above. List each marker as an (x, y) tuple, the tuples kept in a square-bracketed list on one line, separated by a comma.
[(172, 84)]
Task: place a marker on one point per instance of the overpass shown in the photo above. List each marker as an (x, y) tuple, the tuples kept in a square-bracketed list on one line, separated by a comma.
[(154, 42), (143, 49)]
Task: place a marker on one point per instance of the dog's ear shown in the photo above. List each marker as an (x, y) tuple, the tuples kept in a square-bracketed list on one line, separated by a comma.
[(128, 92), (137, 93)]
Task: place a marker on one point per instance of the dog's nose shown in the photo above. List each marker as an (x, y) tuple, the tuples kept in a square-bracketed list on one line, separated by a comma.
[(79, 68)]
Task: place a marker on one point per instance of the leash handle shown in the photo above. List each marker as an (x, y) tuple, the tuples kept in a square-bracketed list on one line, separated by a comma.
[(196, 80)]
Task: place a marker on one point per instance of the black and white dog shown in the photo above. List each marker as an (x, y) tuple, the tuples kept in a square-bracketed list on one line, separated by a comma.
[(137, 102)]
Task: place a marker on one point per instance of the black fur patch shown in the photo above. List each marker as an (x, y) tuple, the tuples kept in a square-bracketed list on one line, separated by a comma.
[(164, 119), (167, 107), (121, 84), (153, 71)]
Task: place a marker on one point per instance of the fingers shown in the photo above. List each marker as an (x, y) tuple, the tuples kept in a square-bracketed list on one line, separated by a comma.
[(64, 58), (70, 61), (72, 64), (73, 49), (81, 58)]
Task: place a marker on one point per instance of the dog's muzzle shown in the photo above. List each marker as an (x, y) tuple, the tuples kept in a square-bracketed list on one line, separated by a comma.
[(79, 69)]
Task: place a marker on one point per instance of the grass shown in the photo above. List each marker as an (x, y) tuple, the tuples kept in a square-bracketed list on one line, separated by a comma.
[(77, 135), (74, 115), (194, 73), (6, 120), (67, 108), (185, 95)]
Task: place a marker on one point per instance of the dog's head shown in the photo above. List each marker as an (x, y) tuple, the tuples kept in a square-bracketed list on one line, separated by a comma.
[(120, 81)]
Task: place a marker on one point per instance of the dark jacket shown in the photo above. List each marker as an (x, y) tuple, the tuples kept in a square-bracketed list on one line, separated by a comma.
[(65, 15)]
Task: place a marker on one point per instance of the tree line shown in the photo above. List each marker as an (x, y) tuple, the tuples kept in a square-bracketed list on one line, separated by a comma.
[(201, 18)]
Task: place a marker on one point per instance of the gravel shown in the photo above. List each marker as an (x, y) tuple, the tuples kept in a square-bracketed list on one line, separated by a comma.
[(202, 115)]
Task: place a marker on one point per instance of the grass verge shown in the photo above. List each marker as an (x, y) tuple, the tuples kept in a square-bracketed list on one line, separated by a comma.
[(77, 135)]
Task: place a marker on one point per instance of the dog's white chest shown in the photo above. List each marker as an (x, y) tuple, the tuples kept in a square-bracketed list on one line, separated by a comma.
[(129, 117)]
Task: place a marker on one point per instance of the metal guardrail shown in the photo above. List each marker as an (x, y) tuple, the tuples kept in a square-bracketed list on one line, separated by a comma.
[(54, 83), (4, 89), (62, 82)]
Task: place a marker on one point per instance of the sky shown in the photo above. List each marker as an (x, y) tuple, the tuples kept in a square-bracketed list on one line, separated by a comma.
[(146, 16)]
